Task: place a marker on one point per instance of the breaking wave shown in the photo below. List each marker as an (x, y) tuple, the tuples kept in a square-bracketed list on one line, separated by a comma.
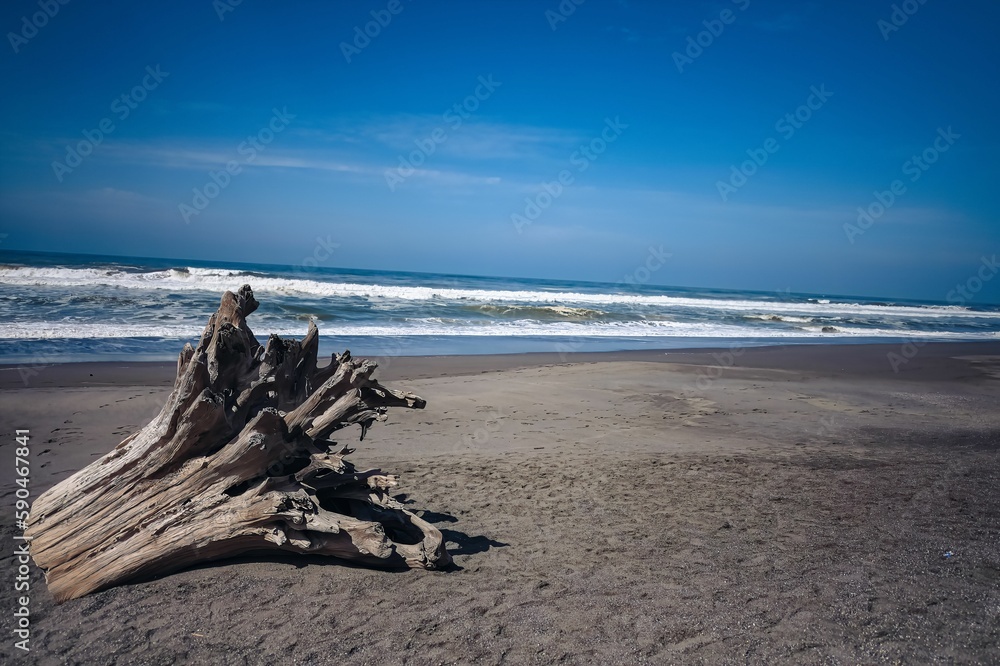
[(215, 281)]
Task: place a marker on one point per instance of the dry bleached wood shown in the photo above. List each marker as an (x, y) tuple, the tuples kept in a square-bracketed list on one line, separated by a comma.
[(237, 461)]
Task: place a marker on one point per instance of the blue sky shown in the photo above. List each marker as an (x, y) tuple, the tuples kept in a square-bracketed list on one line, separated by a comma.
[(314, 120)]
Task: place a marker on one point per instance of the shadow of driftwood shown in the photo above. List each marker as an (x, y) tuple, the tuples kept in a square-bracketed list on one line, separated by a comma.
[(435, 517), (469, 545)]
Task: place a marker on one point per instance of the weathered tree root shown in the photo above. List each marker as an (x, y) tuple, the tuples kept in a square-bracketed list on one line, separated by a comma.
[(237, 461)]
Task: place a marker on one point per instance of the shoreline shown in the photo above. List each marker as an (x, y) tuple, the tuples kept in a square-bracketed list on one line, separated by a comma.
[(868, 359)]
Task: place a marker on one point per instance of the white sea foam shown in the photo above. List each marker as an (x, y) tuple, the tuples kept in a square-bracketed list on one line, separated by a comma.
[(215, 281), (436, 327)]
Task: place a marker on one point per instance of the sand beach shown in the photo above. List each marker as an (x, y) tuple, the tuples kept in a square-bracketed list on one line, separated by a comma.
[(800, 504)]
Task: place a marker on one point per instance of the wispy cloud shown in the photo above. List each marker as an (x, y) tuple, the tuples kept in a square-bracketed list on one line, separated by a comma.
[(466, 151), (201, 159), (174, 157), (465, 138)]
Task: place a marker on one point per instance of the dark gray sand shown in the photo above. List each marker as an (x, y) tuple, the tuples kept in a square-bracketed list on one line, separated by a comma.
[(789, 504)]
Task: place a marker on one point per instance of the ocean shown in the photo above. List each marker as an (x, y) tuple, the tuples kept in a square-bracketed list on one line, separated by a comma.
[(61, 307)]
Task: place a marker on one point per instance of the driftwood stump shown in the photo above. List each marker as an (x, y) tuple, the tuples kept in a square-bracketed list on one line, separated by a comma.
[(238, 461)]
